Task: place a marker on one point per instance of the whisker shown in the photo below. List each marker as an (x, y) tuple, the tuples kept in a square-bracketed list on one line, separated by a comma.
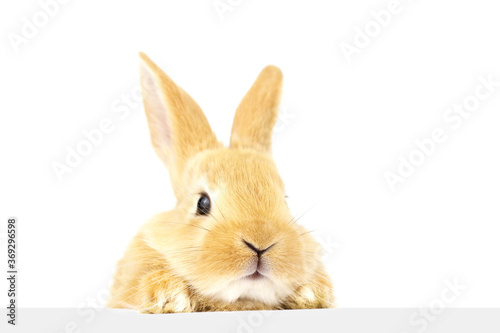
[(307, 232), (213, 217), (191, 225), (220, 211), (304, 213)]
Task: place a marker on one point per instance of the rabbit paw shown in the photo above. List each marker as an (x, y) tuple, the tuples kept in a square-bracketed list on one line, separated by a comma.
[(314, 295), (163, 293)]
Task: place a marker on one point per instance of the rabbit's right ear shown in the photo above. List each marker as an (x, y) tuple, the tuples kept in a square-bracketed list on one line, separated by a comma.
[(178, 127)]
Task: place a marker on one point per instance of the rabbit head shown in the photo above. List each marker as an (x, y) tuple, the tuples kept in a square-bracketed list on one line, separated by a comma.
[(231, 234)]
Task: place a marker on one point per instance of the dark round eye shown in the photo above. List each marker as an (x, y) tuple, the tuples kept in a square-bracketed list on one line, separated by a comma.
[(203, 207)]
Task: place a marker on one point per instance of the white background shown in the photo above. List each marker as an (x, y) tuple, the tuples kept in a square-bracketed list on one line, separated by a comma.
[(344, 126)]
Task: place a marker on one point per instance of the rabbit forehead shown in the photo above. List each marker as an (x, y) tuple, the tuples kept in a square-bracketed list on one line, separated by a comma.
[(239, 170)]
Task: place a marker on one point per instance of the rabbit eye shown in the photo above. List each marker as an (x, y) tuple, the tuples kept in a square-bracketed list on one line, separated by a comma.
[(203, 207)]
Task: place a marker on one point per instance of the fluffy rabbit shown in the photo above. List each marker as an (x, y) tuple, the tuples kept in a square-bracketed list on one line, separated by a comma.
[(231, 242)]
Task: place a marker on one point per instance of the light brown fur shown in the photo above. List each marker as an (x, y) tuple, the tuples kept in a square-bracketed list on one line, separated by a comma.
[(183, 262)]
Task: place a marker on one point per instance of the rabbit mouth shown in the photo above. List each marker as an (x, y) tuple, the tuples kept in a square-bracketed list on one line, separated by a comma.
[(258, 269), (255, 276)]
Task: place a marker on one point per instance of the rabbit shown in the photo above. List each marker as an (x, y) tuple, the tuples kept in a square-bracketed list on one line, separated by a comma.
[(230, 243)]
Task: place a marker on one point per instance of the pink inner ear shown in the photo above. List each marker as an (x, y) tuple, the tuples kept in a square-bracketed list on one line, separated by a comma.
[(157, 114)]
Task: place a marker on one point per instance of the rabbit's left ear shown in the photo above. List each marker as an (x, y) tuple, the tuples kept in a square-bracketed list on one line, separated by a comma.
[(258, 111), (178, 127)]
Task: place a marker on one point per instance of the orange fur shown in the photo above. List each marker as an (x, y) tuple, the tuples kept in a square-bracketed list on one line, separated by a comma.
[(183, 262)]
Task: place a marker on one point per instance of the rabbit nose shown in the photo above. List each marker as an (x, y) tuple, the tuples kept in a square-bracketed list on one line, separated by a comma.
[(257, 250)]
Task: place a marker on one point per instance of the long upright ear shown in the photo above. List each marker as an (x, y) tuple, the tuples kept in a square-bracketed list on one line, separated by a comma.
[(178, 127), (258, 111)]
